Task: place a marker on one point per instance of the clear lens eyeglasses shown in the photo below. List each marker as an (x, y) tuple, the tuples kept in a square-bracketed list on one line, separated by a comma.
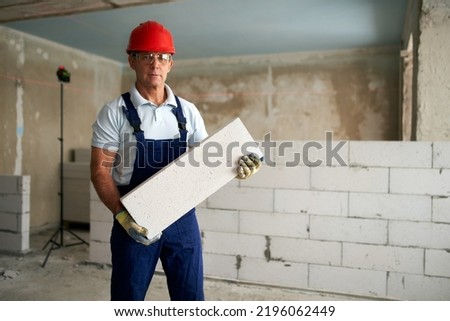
[(149, 57)]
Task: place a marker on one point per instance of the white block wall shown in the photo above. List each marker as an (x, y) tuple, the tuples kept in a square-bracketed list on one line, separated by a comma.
[(379, 227), (14, 213), (101, 220)]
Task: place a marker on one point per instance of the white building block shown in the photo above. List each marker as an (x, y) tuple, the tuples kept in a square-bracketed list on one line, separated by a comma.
[(82, 155), (100, 231), (76, 170), (14, 213), (9, 222), (274, 272), (9, 184), (223, 266), (353, 179), (383, 258), (99, 252), (242, 198), (419, 234), (99, 212), (310, 153), (218, 220), (280, 177), (441, 209), (93, 193), (274, 224), (234, 244), (23, 223), (420, 181), (355, 230), (212, 243), (441, 154), (347, 280), (151, 204), (306, 251), (311, 202), (390, 154), (14, 203), (390, 206), (15, 222), (418, 287), (14, 242), (251, 246), (437, 263), (13, 184)]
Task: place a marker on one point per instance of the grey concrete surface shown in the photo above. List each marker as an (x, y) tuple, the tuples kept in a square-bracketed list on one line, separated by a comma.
[(68, 276)]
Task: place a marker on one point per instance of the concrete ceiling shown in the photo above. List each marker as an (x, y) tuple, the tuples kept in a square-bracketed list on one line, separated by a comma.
[(212, 28)]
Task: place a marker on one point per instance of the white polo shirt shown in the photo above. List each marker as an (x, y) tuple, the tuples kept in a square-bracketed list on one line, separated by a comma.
[(112, 130)]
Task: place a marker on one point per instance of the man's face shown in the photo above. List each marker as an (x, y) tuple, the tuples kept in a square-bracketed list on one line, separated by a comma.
[(151, 68)]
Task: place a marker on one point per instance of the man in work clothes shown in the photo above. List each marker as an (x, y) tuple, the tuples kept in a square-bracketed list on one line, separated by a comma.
[(134, 136)]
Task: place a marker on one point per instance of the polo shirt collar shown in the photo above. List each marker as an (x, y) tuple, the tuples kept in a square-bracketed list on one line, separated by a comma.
[(138, 100)]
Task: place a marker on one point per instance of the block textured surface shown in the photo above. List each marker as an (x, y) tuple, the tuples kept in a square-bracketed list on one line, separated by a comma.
[(183, 184)]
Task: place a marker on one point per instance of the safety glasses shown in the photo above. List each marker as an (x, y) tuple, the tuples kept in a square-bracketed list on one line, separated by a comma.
[(149, 57)]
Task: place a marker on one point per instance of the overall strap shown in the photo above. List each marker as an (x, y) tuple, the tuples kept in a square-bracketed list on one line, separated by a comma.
[(181, 121), (133, 117)]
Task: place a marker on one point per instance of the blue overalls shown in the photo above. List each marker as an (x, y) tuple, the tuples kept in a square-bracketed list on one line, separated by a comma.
[(179, 248)]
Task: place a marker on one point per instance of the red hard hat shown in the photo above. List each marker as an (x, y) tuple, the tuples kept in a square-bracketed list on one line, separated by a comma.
[(151, 36)]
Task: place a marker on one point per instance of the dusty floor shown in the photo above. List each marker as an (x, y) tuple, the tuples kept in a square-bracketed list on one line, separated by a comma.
[(67, 276)]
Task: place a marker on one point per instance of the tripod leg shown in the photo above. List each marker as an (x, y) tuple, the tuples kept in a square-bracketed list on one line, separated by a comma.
[(52, 247), (52, 239), (78, 237)]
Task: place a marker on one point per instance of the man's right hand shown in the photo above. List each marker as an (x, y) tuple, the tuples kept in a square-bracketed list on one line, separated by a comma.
[(137, 232)]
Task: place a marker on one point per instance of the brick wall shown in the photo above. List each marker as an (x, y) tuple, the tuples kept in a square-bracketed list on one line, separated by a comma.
[(14, 213), (378, 226)]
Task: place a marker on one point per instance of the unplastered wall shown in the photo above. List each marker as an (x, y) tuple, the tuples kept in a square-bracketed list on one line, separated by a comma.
[(433, 114), (353, 93), (30, 109)]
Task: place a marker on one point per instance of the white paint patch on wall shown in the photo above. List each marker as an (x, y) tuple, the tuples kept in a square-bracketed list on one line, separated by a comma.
[(20, 47), (41, 52), (19, 128)]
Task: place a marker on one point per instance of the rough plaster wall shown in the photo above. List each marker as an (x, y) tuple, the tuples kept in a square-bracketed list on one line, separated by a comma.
[(434, 71), (30, 110), (353, 93)]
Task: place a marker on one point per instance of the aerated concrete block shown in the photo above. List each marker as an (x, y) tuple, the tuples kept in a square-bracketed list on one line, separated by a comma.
[(346, 280), (420, 181), (419, 234), (189, 180), (352, 230), (223, 266), (390, 154), (218, 220), (350, 179), (289, 274), (99, 252), (383, 258), (441, 154), (311, 202), (437, 263), (418, 287), (390, 206)]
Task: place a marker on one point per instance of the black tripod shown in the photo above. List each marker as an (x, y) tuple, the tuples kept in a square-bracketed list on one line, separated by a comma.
[(63, 76)]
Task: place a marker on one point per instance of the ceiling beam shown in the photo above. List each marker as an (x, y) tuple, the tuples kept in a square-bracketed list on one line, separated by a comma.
[(14, 10)]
